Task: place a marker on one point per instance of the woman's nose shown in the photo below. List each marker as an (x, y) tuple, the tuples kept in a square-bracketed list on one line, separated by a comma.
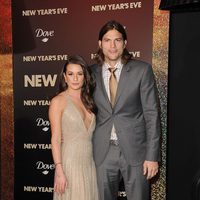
[(75, 77)]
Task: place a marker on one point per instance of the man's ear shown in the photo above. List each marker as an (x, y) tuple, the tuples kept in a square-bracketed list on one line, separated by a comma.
[(125, 43), (99, 43)]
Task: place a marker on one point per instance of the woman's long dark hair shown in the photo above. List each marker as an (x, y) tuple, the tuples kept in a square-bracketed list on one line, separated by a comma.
[(88, 87), (112, 25)]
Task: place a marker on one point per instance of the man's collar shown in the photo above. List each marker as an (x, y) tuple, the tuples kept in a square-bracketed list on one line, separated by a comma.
[(118, 65)]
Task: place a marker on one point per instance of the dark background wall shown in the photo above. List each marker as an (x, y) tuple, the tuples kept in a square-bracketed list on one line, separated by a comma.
[(160, 55), (44, 34), (183, 155)]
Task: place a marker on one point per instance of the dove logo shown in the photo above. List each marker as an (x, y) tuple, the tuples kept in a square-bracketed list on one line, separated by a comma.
[(43, 35), (44, 168), (43, 124)]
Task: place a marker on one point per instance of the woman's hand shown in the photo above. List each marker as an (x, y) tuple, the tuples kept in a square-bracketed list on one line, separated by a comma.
[(60, 181)]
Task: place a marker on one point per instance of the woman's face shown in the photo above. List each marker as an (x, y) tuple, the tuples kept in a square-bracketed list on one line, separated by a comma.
[(74, 76)]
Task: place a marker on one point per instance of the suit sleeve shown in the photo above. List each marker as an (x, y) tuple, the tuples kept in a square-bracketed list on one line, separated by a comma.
[(150, 105)]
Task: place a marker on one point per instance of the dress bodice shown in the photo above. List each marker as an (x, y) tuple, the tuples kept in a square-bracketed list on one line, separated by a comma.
[(73, 125)]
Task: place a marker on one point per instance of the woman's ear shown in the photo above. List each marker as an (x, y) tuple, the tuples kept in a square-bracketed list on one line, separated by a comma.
[(65, 77)]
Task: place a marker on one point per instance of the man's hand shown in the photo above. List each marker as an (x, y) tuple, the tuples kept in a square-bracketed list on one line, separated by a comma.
[(150, 168)]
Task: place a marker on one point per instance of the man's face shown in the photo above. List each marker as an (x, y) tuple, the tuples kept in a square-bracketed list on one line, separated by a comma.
[(112, 45)]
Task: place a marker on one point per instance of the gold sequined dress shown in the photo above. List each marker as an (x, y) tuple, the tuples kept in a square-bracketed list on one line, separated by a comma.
[(77, 157)]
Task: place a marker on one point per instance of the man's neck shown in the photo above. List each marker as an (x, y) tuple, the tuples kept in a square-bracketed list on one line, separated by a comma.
[(112, 64)]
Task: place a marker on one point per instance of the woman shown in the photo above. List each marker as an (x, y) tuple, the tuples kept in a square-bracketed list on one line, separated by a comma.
[(72, 120)]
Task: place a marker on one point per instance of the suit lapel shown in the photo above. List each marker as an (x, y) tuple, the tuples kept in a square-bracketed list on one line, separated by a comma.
[(99, 78), (121, 85), (122, 81)]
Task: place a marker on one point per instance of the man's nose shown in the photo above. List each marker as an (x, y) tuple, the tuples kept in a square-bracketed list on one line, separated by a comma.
[(112, 44)]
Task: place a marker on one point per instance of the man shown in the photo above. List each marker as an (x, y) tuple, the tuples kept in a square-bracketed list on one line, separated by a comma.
[(126, 138)]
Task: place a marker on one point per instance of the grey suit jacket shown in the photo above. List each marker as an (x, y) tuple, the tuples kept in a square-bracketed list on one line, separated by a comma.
[(135, 114)]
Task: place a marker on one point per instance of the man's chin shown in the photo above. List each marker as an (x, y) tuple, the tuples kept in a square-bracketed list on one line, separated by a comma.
[(114, 58)]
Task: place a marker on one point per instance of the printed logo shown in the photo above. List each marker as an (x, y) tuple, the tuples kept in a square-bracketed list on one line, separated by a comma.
[(44, 35), (31, 102), (40, 80), (43, 124), (44, 168)]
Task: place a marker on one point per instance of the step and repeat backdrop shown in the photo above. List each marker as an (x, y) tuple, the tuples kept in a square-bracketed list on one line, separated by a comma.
[(45, 33)]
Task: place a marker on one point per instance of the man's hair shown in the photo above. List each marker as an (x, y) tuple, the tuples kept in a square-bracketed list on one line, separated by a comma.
[(112, 25)]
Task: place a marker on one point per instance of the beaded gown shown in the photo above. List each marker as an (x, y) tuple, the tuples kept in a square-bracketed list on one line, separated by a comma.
[(77, 157)]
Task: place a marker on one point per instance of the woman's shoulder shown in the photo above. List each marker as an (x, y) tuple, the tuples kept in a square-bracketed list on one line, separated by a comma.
[(59, 100)]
